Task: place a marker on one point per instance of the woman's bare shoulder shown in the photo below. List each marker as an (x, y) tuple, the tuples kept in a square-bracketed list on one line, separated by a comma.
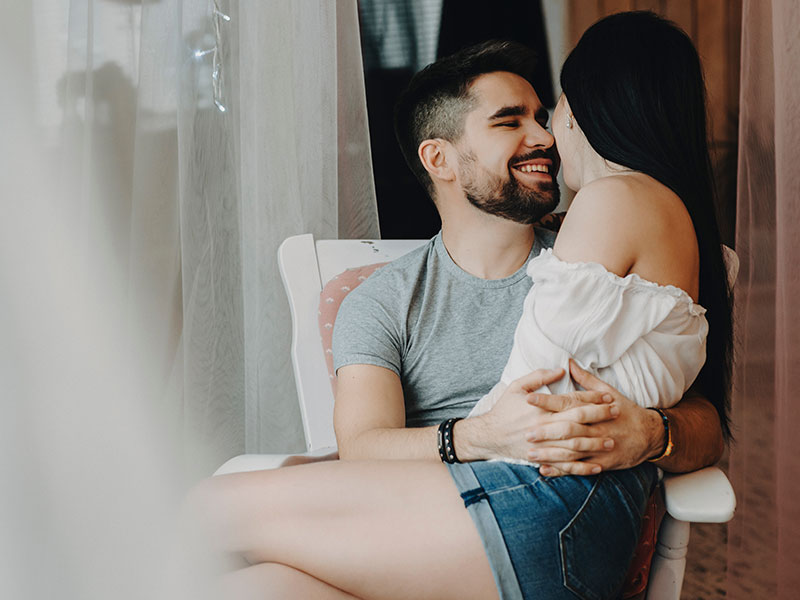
[(599, 227), (634, 200), (631, 223)]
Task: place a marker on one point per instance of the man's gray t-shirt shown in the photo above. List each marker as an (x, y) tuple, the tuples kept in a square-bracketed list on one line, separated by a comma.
[(446, 333)]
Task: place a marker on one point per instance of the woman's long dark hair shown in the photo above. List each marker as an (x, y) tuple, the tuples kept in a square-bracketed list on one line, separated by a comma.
[(635, 86)]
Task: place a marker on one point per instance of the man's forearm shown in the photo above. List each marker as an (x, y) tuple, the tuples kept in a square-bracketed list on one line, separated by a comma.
[(474, 440), (696, 436), (503, 431), (391, 444)]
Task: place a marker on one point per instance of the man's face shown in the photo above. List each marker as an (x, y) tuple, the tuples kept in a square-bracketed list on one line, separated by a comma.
[(507, 161)]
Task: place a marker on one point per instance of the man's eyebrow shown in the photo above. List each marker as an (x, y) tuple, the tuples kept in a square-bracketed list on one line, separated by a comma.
[(518, 111), (509, 111)]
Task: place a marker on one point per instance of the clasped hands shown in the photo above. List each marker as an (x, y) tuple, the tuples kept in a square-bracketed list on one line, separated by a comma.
[(579, 433)]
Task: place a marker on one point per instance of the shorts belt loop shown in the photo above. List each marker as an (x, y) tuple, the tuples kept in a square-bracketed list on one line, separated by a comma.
[(473, 496)]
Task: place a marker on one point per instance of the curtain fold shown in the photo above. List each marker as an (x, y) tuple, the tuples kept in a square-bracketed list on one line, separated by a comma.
[(154, 155), (272, 142), (187, 139), (764, 537)]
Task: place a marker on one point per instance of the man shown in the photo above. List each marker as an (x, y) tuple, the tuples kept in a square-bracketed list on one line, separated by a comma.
[(420, 342), (479, 170)]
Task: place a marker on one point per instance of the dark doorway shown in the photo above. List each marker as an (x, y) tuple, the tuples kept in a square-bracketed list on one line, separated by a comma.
[(399, 37)]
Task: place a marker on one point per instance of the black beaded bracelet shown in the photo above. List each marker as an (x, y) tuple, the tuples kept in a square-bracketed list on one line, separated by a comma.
[(668, 446), (447, 448)]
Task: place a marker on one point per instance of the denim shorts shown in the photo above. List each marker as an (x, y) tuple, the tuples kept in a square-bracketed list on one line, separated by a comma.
[(557, 537)]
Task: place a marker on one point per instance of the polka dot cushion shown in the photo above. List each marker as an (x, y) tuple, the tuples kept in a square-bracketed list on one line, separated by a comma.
[(330, 300)]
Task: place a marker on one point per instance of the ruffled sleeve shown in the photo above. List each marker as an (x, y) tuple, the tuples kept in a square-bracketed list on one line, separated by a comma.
[(645, 339)]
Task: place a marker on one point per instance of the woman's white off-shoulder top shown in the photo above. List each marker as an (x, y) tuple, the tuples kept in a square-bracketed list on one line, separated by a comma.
[(646, 340)]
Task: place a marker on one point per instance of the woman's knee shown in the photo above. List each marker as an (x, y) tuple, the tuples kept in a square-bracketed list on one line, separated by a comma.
[(273, 581), (216, 509)]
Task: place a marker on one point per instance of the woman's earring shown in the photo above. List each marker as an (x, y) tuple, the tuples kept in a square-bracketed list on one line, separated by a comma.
[(569, 121)]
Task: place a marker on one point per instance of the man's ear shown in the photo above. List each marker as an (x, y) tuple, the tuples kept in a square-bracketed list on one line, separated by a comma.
[(433, 156)]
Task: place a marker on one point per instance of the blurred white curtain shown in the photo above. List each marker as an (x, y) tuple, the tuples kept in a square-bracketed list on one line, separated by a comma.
[(193, 136), (153, 155)]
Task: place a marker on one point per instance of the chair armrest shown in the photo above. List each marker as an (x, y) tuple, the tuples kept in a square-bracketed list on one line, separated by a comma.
[(261, 462), (703, 496)]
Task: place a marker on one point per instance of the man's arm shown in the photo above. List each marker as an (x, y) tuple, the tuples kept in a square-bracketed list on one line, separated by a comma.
[(638, 433), (369, 419), (696, 435)]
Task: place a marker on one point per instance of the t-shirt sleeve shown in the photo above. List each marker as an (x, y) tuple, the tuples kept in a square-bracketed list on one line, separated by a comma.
[(367, 332)]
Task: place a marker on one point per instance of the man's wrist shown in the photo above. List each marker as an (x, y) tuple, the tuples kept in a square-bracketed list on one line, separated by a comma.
[(471, 439), (656, 435), (666, 449)]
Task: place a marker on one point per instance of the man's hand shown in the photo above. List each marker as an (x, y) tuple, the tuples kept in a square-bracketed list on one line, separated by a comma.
[(505, 431), (569, 443)]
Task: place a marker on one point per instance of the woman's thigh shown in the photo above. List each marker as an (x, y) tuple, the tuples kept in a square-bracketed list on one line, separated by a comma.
[(388, 529)]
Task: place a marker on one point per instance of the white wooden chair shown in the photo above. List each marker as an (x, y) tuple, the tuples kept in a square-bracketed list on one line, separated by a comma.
[(704, 496)]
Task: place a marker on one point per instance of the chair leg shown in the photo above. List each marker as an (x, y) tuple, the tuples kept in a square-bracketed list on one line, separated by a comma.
[(669, 562)]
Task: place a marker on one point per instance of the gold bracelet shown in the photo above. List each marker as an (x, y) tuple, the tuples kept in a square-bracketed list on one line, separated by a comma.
[(668, 445)]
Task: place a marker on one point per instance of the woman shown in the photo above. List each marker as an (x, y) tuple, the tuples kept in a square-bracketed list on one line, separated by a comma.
[(627, 309), (396, 529)]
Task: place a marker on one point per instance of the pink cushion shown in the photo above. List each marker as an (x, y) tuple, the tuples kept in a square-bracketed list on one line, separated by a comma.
[(330, 299)]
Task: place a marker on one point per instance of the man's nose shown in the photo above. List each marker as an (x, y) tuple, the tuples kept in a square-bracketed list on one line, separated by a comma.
[(538, 136)]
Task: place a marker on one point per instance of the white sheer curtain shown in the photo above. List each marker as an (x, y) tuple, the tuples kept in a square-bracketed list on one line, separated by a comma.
[(154, 155), (764, 536), (195, 136), (273, 142)]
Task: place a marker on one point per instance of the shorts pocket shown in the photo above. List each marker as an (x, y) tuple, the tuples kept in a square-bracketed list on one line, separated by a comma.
[(598, 543)]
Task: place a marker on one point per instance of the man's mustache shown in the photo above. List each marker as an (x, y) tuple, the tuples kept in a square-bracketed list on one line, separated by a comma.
[(534, 154)]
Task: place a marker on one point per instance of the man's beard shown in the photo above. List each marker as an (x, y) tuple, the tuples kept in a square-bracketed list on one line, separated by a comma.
[(508, 199)]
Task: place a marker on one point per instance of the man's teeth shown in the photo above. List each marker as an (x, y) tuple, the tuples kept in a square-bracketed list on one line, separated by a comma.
[(532, 168)]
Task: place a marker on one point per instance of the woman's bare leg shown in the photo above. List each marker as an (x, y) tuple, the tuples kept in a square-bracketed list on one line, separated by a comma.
[(271, 581), (377, 530)]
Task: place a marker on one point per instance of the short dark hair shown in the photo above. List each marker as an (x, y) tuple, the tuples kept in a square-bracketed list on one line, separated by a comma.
[(635, 86), (437, 100)]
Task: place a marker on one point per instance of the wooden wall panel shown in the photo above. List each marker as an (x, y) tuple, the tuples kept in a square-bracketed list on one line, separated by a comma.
[(582, 13), (733, 32), (682, 13), (609, 7), (711, 45), (656, 6)]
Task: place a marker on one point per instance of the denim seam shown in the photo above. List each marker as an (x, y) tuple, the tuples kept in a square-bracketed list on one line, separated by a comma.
[(591, 493), (631, 502), (509, 488)]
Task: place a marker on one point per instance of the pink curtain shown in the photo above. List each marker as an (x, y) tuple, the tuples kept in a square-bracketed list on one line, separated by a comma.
[(764, 537)]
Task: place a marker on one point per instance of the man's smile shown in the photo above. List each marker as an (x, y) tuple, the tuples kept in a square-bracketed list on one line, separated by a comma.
[(534, 171)]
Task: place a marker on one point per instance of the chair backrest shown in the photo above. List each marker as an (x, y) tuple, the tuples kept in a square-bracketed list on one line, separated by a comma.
[(305, 267)]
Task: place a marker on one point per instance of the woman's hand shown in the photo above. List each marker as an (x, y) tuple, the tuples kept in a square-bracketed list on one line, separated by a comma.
[(574, 441)]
